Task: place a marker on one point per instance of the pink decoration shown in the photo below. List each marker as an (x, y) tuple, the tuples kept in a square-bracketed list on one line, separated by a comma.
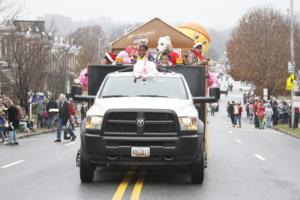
[(212, 80), (144, 68), (124, 55), (83, 78), (131, 50)]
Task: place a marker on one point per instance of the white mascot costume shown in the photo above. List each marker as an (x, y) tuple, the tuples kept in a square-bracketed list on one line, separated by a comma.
[(164, 45)]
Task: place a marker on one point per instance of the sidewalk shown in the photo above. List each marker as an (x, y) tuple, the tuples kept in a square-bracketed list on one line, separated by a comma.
[(281, 128), (35, 132), (289, 131)]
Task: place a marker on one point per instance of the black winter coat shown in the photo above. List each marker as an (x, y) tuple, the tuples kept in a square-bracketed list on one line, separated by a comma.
[(12, 115), (52, 104), (64, 111)]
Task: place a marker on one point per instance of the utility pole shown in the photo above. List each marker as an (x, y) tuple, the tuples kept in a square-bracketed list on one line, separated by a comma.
[(292, 33), (292, 57), (100, 41)]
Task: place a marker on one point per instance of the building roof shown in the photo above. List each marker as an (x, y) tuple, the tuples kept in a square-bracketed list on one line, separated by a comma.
[(152, 30), (35, 26)]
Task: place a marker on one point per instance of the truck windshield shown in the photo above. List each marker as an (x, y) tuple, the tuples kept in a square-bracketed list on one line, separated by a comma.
[(125, 86)]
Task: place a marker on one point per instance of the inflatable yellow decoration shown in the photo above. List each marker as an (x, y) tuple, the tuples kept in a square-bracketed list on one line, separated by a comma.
[(197, 33)]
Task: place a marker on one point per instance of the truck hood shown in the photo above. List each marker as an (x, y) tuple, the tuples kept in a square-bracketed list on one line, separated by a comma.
[(180, 106)]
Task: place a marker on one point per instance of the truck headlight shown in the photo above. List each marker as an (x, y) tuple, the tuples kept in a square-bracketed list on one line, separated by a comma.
[(93, 122), (188, 123)]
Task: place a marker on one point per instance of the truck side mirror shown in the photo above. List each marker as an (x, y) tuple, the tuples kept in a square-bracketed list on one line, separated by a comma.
[(214, 96), (214, 92)]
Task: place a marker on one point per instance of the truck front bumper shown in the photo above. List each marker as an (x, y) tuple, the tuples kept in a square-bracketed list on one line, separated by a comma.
[(116, 150)]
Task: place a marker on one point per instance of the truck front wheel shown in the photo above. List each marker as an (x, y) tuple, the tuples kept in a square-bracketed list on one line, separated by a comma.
[(197, 170), (86, 170)]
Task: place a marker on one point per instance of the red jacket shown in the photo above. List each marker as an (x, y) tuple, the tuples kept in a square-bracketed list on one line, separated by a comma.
[(240, 110), (72, 109), (261, 112), (173, 56)]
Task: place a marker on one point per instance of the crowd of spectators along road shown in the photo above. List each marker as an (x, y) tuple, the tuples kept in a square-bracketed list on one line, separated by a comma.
[(48, 112), (261, 113)]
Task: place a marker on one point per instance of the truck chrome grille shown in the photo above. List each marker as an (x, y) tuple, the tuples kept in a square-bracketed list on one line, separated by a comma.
[(140, 123)]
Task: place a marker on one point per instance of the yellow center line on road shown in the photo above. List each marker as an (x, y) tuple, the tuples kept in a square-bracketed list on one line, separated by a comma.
[(135, 195), (123, 185)]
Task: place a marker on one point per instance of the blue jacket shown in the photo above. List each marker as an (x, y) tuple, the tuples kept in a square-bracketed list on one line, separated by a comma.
[(2, 120)]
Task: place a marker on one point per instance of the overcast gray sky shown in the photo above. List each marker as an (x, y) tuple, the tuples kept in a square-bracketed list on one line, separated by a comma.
[(217, 14)]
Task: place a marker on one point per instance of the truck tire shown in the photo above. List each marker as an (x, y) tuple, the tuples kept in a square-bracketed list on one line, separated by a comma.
[(86, 170), (197, 170)]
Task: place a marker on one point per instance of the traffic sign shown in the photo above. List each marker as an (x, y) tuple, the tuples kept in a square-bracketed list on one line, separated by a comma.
[(265, 93), (291, 67), (290, 82)]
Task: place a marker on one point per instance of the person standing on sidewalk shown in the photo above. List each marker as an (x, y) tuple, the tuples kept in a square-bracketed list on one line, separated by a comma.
[(251, 111), (63, 117), (227, 108), (261, 115), (83, 110), (239, 115), (236, 113), (213, 107), (51, 108), (72, 114), (255, 112), (40, 112), (269, 114), (231, 113), (2, 123), (275, 114), (13, 122)]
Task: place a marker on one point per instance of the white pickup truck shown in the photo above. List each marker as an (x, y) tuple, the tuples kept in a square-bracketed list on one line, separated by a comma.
[(145, 121)]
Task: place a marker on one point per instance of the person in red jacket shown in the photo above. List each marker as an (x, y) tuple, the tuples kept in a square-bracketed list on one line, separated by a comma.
[(261, 115), (239, 115), (72, 113), (195, 56)]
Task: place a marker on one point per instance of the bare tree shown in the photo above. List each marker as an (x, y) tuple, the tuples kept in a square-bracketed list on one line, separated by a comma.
[(57, 76), (258, 50), (56, 83), (10, 10), (27, 58), (89, 40)]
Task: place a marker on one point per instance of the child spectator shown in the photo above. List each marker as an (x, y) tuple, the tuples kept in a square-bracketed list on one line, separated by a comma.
[(13, 121), (165, 60)]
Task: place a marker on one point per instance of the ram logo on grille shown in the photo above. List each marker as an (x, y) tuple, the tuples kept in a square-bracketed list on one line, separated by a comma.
[(140, 122)]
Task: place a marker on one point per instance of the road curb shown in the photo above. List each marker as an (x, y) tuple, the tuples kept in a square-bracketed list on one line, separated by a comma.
[(24, 135), (283, 131), (286, 132)]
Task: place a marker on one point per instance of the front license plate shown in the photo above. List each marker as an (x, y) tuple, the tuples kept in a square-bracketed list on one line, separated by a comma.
[(140, 152)]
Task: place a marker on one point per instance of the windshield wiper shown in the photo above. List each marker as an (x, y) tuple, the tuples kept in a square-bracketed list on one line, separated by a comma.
[(152, 95), (117, 95)]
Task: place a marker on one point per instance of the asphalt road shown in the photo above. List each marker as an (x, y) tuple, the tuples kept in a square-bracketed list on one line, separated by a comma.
[(244, 163)]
